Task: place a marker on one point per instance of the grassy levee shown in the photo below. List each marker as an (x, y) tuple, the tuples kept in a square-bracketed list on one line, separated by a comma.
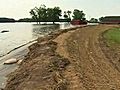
[(112, 36)]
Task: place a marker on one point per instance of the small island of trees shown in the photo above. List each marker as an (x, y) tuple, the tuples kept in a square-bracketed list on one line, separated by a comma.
[(44, 14)]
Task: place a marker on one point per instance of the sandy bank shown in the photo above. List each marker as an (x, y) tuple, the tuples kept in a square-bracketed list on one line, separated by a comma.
[(42, 67), (92, 66), (70, 59), (18, 54)]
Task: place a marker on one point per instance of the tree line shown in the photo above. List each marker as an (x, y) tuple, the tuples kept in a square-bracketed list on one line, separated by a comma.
[(43, 13), (3, 20), (55, 14)]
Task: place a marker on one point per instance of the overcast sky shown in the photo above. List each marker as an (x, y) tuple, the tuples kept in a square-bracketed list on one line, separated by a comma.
[(92, 8)]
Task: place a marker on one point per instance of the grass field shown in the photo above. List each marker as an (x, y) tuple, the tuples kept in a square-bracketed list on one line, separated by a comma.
[(113, 36)]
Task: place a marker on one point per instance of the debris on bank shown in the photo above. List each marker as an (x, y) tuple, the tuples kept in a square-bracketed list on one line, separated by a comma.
[(42, 68)]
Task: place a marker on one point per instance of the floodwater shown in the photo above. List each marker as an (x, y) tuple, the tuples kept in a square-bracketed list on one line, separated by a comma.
[(20, 34)]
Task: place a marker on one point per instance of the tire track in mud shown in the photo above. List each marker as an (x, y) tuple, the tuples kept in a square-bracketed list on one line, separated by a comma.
[(89, 68)]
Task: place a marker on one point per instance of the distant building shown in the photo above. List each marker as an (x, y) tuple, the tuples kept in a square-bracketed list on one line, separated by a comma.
[(110, 20)]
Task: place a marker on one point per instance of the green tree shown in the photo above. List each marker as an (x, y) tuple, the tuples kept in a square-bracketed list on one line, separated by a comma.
[(50, 12), (38, 14), (101, 19), (69, 13), (41, 13), (53, 14), (65, 15), (34, 15), (45, 14), (93, 20), (56, 13), (78, 15)]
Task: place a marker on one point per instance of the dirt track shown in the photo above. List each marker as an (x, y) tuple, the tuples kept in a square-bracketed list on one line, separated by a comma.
[(73, 60), (89, 68)]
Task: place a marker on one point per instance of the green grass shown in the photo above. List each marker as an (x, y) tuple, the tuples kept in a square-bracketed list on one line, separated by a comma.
[(113, 36)]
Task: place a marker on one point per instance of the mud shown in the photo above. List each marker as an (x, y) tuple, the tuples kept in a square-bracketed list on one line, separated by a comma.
[(42, 67), (71, 59), (90, 68)]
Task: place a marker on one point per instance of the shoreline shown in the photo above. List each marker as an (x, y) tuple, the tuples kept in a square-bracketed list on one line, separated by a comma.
[(18, 48), (64, 60), (18, 54), (42, 40), (31, 41), (35, 41)]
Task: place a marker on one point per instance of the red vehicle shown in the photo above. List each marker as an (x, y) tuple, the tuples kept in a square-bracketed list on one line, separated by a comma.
[(78, 22)]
